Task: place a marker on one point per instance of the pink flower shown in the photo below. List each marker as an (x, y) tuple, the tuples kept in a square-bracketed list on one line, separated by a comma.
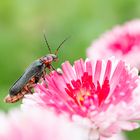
[(38, 125), (102, 96), (122, 42)]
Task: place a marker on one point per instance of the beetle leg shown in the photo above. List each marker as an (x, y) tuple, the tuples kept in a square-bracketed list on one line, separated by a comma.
[(59, 71), (27, 89), (43, 76), (30, 91), (37, 79), (49, 66), (52, 67), (32, 81)]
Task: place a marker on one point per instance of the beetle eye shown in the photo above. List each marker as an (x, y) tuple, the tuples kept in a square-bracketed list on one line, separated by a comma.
[(54, 57)]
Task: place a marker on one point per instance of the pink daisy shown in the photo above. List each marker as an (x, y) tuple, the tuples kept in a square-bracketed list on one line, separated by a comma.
[(101, 96), (38, 125), (122, 42)]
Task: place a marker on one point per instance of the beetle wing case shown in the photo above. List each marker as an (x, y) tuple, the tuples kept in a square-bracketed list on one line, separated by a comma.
[(35, 69)]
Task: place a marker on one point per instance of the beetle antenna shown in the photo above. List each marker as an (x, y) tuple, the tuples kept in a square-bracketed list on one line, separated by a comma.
[(47, 43), (61, 44)]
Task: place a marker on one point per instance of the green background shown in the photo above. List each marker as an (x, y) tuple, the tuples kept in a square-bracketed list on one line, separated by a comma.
[(21, 32)]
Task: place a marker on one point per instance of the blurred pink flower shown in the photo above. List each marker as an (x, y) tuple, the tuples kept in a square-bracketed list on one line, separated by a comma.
[(122, 42), (38, 125), (102, 96)]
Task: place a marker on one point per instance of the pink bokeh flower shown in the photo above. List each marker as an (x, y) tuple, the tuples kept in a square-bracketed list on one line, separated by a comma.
[(100, 96), (38, 125), (122, 42)]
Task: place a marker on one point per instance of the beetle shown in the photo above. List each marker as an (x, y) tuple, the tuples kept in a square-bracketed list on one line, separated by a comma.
[(32, 75)]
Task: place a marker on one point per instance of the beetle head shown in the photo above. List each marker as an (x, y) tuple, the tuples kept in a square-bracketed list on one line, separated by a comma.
[(47, 59), (55, 57), (51, 57)]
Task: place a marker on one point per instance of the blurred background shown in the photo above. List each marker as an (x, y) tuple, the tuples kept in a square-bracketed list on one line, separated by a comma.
[(21, 32)]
